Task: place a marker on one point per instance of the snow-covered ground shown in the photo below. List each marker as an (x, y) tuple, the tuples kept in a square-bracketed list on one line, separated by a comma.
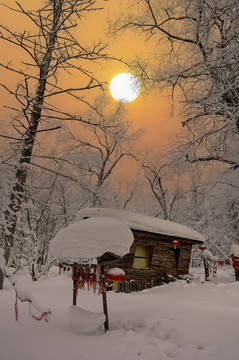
[(183, 321)]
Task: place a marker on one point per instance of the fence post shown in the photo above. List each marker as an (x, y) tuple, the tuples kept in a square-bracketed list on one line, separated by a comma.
[(206, 269)]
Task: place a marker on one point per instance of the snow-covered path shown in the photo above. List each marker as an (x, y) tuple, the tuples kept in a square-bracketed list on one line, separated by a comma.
[(177, 321)]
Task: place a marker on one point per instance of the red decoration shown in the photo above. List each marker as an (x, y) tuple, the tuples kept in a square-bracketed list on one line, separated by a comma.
[(102, 284), (45, 315), (85, 277), (235, 262), (175, 243), (202, 247), (116, 277)]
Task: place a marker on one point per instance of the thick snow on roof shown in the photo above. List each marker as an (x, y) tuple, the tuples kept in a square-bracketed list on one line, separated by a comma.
[(145, 223), (91, 238)]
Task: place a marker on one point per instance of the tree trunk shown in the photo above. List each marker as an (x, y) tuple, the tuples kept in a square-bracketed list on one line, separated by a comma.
[(17, 194), (1, 279)]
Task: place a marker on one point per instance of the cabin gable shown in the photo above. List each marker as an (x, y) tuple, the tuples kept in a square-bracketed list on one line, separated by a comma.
[(161, 257)]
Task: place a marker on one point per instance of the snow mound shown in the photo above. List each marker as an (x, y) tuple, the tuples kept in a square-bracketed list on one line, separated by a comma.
[(235, 250), (85, 322), (116, 271), (91, 238), (145, 223)]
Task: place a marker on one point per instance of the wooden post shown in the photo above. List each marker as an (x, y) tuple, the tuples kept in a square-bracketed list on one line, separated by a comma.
[(177, 254), (74, 285), (105, 308), (206, 269), (214, 269), (237, 274)]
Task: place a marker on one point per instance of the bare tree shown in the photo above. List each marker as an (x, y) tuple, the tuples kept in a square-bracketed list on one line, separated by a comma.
[(97, 152), (196, 54), (51, 47), (169, 182), (51, 203)]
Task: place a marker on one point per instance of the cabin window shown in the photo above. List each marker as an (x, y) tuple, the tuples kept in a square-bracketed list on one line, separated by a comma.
[(141, 258)]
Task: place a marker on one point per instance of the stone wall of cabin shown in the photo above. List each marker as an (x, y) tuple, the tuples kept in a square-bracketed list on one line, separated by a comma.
[(161, 257)]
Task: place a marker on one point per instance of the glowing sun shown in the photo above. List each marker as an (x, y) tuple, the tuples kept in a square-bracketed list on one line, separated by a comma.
[(124, 87)]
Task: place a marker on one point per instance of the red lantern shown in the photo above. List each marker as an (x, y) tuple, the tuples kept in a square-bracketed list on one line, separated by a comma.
[(202, 247), (115, 275), (175, 244)]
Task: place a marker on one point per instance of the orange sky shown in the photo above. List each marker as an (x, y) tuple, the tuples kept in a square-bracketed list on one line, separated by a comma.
[(151, 112)]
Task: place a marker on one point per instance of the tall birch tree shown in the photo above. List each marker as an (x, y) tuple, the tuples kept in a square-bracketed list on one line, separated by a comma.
[(49, 49)]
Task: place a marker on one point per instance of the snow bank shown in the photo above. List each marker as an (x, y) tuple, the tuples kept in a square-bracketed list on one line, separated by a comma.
[(90, 238), (145, 223), (85, 322)]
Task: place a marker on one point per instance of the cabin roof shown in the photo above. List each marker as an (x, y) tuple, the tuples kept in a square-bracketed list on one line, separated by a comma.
[(144, 223), (92, 240)]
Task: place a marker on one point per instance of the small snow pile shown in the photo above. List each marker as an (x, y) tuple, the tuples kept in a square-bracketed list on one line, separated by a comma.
[(85, 322), (116, 272), (88, 239), (235, 250), (53, 271)]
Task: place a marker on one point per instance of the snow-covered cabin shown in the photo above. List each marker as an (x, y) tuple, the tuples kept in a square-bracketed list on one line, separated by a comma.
[(152, 256)]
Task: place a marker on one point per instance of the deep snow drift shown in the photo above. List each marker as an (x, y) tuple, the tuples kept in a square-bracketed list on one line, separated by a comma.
[(177, 321)]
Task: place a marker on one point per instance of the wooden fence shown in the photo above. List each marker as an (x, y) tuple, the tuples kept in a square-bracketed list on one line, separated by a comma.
[(134, 286)]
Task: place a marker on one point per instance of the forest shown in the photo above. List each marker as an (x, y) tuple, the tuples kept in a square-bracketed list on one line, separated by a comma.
[(54, 162)]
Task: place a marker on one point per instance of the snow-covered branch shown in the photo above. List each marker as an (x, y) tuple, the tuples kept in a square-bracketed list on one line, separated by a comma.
[(22, 294)]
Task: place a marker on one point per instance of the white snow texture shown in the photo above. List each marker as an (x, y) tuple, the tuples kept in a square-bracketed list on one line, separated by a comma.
[(91, 238), (85, 322), (143, 222), (177, 321)]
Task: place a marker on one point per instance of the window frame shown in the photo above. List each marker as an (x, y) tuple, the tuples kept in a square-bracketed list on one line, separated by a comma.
[(138, 257)]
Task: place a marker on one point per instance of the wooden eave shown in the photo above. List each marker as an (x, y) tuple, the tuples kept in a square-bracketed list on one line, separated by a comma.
[(107, 258), (162, 237)]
